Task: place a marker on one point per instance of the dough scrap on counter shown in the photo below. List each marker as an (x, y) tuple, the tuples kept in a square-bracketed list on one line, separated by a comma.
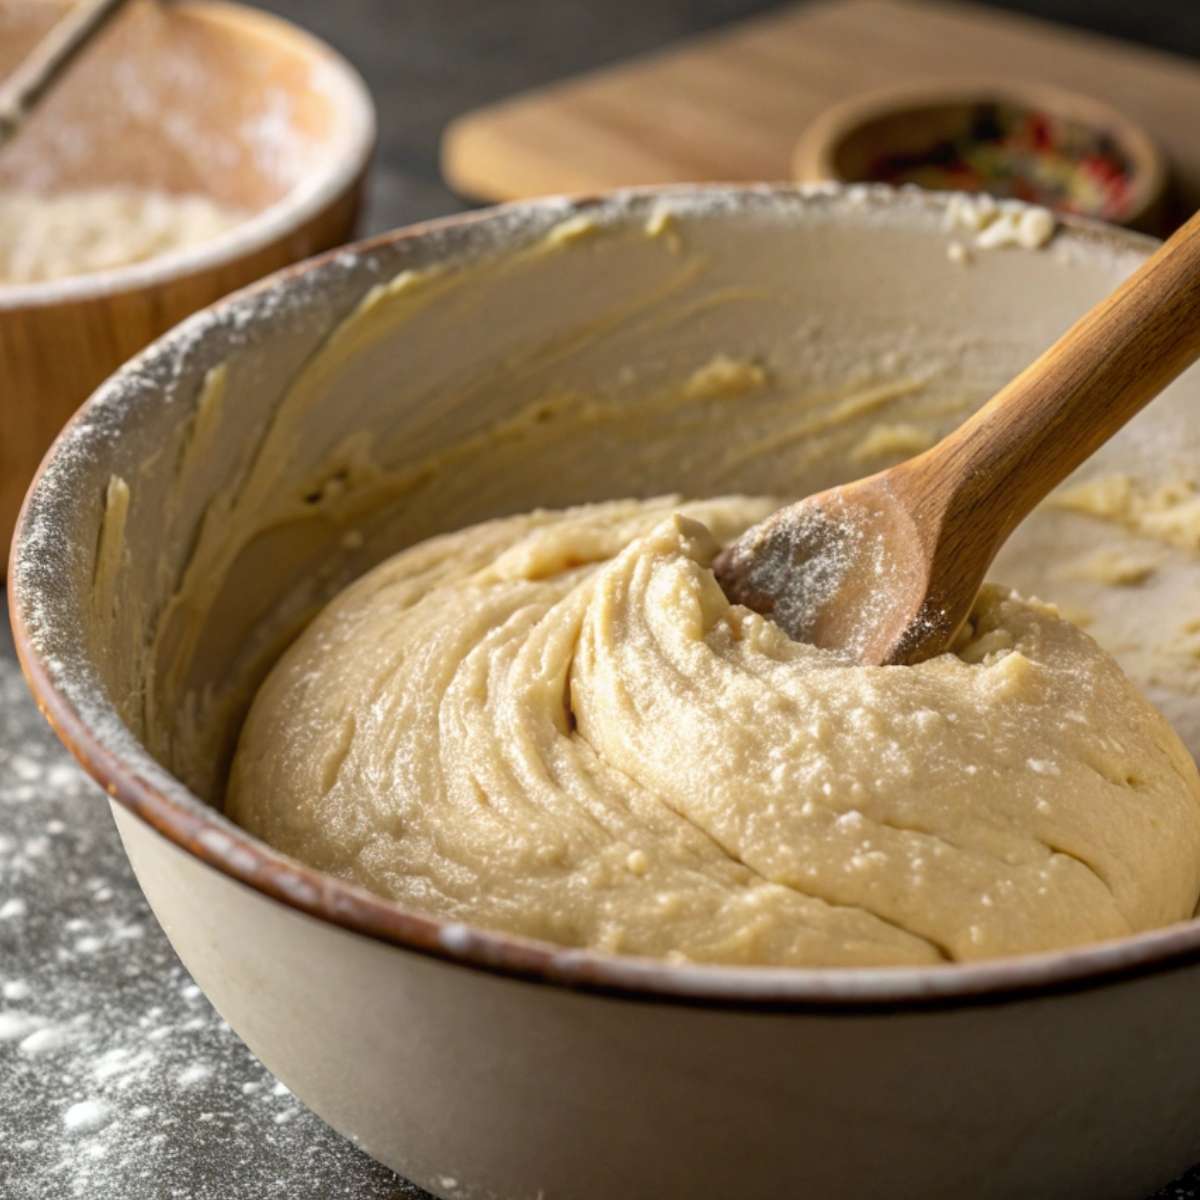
[(556, 725)]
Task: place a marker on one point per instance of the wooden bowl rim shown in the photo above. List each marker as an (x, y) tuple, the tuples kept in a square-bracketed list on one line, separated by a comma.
[(131, 778), (350, 151), (814, 156)]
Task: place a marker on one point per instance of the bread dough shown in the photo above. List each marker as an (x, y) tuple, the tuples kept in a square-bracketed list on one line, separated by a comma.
[(556, 725)]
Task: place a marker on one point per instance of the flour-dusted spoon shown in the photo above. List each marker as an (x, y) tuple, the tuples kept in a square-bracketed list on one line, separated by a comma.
[(887, 568), (37, 72)]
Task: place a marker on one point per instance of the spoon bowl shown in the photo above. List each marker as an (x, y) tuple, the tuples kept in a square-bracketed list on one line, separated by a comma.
[(835, 570)]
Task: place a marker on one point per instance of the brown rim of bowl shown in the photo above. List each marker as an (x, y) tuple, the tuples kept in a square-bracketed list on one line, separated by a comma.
[(814, 157), (199, 830), (342, 167)]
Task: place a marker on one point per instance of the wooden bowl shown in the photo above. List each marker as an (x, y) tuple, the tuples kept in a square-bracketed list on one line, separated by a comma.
[(846, 143), (192, 97), (482, 1064)]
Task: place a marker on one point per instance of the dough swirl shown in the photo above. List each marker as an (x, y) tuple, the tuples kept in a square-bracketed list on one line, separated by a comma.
[(556, 725)]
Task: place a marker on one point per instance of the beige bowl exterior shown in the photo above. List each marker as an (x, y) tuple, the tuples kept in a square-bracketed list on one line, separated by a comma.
[(483, 1066), (199, 97)]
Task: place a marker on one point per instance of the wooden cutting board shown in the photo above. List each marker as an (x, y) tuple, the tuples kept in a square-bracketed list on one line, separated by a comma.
[(730, 105)]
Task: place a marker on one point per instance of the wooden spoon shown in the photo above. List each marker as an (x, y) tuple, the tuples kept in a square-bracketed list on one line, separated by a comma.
[(39, 70), (887, 568)]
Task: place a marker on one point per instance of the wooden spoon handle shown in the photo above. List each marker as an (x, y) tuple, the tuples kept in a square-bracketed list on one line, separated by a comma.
[(37, 72), (1032, 434)]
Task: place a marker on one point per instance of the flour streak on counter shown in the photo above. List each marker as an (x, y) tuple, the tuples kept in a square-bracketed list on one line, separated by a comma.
[(119, 1081)]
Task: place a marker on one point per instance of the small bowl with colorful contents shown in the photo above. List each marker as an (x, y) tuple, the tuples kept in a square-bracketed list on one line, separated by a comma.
[(191, 149), (1041, 145)]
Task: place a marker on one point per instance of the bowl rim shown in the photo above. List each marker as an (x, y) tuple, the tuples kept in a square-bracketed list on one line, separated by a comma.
[(133, 780), (814, 155), (348, 153)]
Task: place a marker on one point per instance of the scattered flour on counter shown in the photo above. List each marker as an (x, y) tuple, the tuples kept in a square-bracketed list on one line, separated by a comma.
[(86, 1115), (35, 847), (65, 776), (24, 768), (15, 1025), (117, 1078), (45, 1041), (114, 1077)]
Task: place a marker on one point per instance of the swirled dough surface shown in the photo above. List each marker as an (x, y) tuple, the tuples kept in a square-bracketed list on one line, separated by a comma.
[(556, 725)]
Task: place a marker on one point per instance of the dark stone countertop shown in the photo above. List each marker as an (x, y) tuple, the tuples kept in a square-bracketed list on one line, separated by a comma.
[(117, 1079)]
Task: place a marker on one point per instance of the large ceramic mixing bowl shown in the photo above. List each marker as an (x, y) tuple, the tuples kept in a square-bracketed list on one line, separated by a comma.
[(249, 463)]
